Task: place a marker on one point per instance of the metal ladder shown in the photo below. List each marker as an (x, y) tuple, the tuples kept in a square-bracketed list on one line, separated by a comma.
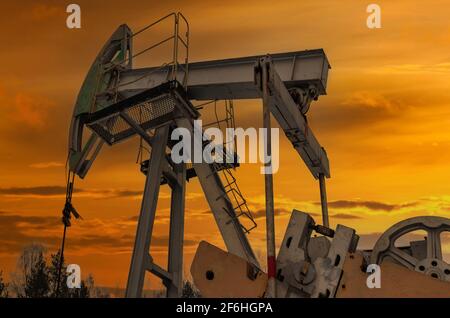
[(240, 206), (231, 187)]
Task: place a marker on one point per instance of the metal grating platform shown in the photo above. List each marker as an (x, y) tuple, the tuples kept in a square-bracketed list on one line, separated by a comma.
[(148, 109), (190, 171)]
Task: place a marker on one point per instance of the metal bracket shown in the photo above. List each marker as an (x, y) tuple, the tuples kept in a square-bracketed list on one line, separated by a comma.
[(312, 266)]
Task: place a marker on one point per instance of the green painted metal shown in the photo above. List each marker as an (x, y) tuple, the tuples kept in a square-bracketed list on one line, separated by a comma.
[(115, 54), (101, 73)]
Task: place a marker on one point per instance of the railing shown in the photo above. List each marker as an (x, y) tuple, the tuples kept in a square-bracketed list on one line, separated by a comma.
[(178, 40), (173, 66)]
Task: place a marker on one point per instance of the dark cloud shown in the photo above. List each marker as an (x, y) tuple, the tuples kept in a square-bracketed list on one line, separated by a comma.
[(112, 193), (40, 190), (17, 231), (345, 216), (133, 218), (14, 228), (162, 241), (7, 218), (348, 118), (371, 205), (122, 242), (101, 241), (262, 213), (60, 190)]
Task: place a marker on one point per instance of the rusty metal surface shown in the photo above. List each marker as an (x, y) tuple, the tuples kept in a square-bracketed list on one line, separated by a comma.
[(217, 273), (396, 282)]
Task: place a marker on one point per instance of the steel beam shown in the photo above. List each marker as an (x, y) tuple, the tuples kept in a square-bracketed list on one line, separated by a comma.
[(233, 78), (268, 186), (141, 257), (176, 234), (323, 200)]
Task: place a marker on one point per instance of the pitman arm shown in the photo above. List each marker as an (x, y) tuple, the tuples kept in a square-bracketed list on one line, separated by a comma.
[(289, 115)]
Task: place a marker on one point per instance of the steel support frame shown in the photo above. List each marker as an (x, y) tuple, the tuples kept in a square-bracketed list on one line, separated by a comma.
[(222, 208), (268, 187), (176, 232), (229, 226), (224, 79), (142, 261)]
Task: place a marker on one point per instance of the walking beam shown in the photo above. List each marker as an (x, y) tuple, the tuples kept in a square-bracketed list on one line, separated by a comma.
[(234, 78)]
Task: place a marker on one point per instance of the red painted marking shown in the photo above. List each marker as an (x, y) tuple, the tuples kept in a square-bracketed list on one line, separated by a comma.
[(271, 266)]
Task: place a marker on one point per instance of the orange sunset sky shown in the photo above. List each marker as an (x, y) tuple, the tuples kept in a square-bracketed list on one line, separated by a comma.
[(385, 123)]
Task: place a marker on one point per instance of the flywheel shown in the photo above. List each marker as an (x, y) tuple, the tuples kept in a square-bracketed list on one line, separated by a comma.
[(422, 256)]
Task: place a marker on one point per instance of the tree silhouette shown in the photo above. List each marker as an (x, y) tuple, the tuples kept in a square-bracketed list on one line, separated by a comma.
[(3, 287), (37, 279), (31, 279), (63, 291), (189, 290), (53, 271)]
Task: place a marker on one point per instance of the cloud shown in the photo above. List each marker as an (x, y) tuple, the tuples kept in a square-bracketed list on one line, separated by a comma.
[(31, 110), (43, 12), (357, 111), (345, 216), (14, 228), (39, 191), (371, 100), (55, 191), (162, 241), (262, 213), (371, 205), (60, 191), (443, 68), (44, 165), (17, 230)]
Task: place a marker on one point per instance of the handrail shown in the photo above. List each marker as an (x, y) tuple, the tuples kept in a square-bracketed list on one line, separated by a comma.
[(174, 65), (154, 23), (153, 46), (186, 44)]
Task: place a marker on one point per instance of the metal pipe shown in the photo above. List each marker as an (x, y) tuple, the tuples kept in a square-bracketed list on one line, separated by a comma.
[(323, 200), (268, 178)]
